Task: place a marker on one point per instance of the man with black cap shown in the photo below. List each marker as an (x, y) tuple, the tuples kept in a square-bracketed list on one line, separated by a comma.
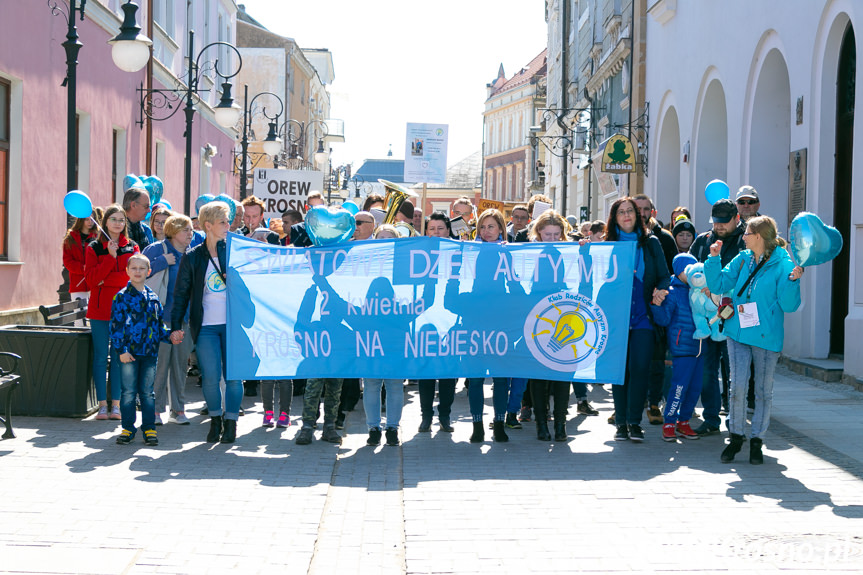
[(747, 203), (728, 228)]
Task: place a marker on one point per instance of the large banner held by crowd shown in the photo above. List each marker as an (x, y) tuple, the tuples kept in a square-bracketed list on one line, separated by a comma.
[(429, 308)]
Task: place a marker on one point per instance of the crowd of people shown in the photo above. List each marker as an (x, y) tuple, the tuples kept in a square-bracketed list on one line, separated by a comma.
[(157, 303)]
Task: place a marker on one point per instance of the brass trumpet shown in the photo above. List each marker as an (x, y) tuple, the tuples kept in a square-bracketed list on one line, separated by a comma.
[(395, 196)]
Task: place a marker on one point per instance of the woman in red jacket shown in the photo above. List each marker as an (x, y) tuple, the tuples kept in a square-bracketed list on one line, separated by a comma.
[(75, 245), (105, 273)]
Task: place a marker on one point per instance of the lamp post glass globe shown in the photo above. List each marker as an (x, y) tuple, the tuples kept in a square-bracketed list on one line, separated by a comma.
[(272, 147), (228, 116), (131, 55)]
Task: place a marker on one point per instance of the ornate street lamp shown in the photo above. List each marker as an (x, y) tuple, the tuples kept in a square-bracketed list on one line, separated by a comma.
[(227, 112), (272, 144)]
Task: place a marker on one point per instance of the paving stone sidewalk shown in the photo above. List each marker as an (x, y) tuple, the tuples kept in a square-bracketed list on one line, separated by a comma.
[(71, 501)]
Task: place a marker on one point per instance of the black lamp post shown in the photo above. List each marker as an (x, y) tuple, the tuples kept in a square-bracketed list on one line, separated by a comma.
[(359, 182), (295, 140), (227, 112), (127, 50), (272, 143)]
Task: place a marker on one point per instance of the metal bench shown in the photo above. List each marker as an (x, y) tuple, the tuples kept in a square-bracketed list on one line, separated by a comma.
[(9, 381), (65, 313)]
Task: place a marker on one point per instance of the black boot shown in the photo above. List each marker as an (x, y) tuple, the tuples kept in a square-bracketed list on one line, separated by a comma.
[(560, 431), (732, 448), (542, 433), (755, 455), (215, 429), (229, 432), (499, 433), (478, 435)]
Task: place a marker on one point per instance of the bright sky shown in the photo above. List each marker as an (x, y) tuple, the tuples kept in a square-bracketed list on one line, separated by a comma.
[(400, 61)]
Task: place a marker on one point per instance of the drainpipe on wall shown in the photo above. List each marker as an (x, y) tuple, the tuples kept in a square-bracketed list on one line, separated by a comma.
[(564, 35), (148, 131)]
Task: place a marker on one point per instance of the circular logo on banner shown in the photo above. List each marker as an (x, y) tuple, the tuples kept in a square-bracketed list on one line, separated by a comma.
[(566, 331), (214, 282)]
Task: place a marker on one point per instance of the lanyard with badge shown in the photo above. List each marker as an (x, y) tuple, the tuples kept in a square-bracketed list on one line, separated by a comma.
[(216, 267), (748, 312)]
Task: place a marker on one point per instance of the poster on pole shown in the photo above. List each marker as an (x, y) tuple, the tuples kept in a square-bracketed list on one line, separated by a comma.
[(425, 153), (283, 190)]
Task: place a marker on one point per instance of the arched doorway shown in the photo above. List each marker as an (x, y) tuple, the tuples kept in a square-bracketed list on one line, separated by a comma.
[(770, 139), (668, 167), (845, 80), (711, 150)]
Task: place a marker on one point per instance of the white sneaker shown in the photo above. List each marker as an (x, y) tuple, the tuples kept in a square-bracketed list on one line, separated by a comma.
[(158, 419), (179, 419)]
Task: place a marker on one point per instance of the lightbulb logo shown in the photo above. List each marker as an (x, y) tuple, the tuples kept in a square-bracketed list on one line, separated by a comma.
[(566, 331)]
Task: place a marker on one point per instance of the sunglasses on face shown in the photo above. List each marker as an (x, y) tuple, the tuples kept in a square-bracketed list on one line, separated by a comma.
[(747, 202)]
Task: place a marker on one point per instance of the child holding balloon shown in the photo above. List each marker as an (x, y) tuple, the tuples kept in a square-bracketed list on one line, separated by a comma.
[(105, 273), (78, 237)]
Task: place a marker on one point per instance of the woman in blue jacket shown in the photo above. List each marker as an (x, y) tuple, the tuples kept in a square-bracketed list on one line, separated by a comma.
[(765, 288), (651, 274)]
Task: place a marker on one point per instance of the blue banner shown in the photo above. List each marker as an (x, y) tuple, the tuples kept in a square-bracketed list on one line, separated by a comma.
[(429, 308)]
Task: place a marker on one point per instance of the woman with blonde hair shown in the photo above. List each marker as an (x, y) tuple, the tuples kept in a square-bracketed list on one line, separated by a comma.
[(763, 283), (202, 287), (165, 256)]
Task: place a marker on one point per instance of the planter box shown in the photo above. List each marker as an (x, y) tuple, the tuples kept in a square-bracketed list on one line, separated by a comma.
[(56, 369)]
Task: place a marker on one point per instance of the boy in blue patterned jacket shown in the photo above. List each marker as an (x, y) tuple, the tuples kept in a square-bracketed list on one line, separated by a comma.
[(136, 332), (687, 358)]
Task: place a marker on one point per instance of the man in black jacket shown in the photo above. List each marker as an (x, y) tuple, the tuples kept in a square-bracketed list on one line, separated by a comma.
[(728, 228), (657, 365)]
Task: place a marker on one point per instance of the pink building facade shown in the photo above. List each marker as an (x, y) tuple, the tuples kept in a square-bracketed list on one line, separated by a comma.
[(33, 138)]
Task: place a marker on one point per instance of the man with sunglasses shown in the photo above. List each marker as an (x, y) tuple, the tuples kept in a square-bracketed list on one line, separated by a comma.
[(747, 203), (365, 226)]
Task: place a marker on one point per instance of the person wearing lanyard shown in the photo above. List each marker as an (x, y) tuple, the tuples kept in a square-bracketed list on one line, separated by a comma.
[(201, 286), (765, 288)]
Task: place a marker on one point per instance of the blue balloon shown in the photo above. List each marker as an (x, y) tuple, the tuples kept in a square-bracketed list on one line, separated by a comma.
[(203, 200), (716, 190), (329, 226), (78, 204), (812, 241), (232, 205), (351, 207), (167, 204), (132, 181), (154, 187)]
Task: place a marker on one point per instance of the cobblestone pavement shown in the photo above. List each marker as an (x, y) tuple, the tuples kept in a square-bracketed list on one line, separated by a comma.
[(71, 501)]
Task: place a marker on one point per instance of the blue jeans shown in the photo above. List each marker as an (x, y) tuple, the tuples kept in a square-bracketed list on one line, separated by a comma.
[(446, 395), (137, 378), (629, 398), (372, 401), (741, 357), (500, 397), (686, 377), (711, 394), (212, 360), (516, 392), (100, 331)]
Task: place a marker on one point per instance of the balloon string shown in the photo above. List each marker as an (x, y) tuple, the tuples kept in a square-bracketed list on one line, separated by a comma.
[(98, 227)]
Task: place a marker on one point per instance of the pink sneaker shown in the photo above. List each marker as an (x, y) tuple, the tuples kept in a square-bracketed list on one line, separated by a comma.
[(268, 419), (284, 420), (115, 413), (103, 412)]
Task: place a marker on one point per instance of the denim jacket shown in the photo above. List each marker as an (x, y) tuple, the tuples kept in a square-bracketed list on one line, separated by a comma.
[(136, 322)]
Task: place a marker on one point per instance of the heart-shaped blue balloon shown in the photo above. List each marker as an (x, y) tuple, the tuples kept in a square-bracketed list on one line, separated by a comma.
[(232, 205), (812, 241), (132, 181), (716, 190), (329, 226), (155, 188), (202, 201)]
